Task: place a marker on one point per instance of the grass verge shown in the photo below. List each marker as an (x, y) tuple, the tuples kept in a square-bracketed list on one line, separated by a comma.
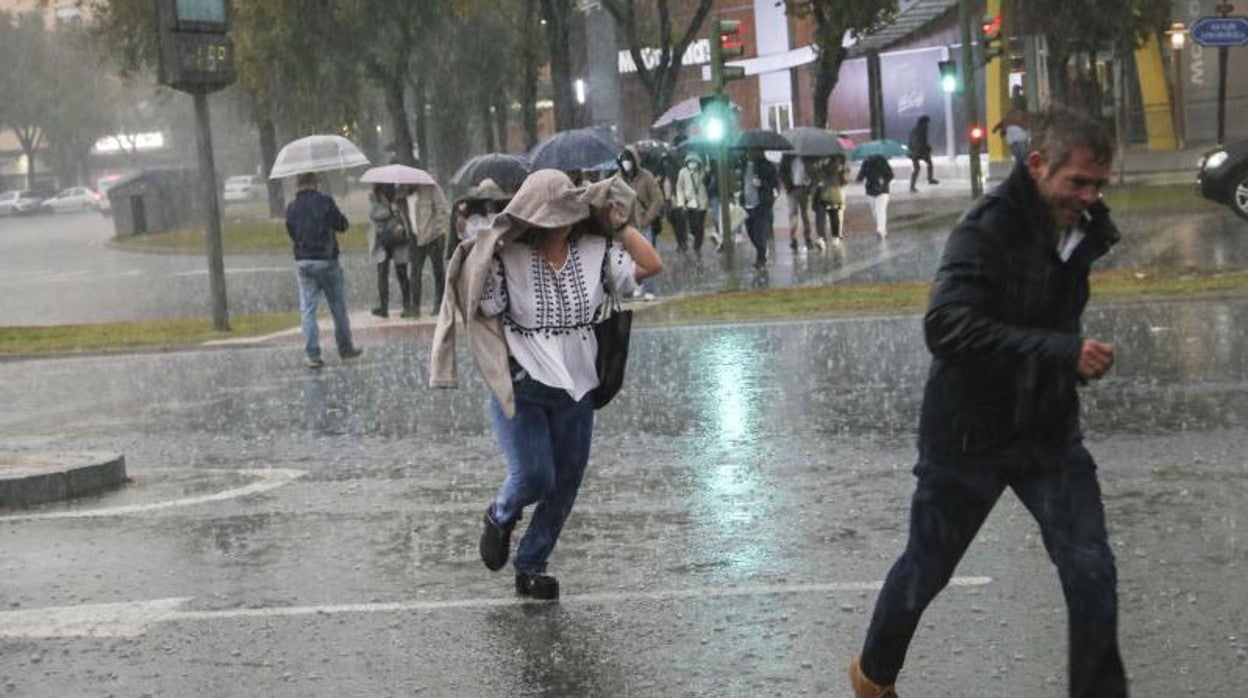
[(146, 334), (237, 236), (840, 300)]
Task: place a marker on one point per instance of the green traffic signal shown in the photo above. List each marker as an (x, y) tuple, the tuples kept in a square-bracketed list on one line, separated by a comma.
[(948, 76)]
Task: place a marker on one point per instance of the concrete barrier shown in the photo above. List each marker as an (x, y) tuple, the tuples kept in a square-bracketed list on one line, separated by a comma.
[(28, 478)]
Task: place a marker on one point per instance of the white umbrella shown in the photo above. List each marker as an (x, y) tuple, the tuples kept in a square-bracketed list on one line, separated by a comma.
[(320, 153), (396, 174)]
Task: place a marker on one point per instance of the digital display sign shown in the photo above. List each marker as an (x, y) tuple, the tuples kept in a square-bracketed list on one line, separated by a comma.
[(201, 15)]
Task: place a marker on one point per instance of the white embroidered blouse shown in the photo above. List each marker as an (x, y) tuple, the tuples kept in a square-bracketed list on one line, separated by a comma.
[(548, 314)]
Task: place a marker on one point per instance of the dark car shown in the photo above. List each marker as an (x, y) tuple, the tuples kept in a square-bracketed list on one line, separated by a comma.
[(1224, 176)]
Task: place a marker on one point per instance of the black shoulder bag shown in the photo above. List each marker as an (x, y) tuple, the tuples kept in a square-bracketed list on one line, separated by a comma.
[(612, 330)]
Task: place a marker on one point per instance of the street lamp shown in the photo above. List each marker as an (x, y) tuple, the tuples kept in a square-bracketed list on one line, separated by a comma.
[(1178, 38)]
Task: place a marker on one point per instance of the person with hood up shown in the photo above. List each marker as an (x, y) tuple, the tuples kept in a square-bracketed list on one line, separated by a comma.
[(1001, 405), (530, 290), (648, 209), (920, 152), (692, 200)]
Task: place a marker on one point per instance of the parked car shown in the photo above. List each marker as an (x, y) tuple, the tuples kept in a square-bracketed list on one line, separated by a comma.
[(243, 188), (101, 189), (7, 199), (71, 199), (30, 201), (1223, 176)]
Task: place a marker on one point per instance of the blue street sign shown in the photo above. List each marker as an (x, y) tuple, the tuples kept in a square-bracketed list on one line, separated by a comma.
[(1218, 32)]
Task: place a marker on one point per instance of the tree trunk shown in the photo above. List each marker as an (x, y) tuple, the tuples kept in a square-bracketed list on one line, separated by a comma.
[(501, 125), (528, 88), (398, 121), (487, 124), (557, 40), (420, 91), (268, 153), (828, 69)]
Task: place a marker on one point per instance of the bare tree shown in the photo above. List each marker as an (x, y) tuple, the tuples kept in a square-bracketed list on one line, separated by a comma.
[(659, 80)]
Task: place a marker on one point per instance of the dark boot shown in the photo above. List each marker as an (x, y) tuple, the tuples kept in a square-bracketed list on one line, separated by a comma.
[(537, 586)]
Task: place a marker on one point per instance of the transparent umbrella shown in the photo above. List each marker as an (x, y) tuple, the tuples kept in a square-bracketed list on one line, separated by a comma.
[(396, 174), (319, 153)]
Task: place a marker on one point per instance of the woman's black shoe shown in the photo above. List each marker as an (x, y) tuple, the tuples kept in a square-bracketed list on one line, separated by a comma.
[(495, 544), (537, 586)]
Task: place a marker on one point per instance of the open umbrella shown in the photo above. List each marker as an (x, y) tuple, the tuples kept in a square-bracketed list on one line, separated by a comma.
[(762, 139), (576, 149), (813, 142), (886, 147), (396, 174), (508, 171), (319, 153)]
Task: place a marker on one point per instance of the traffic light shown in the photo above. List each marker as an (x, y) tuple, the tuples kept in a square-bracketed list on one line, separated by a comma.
[(729, 43), (990, 37), (949, 77), (715, 120), (976, 135)]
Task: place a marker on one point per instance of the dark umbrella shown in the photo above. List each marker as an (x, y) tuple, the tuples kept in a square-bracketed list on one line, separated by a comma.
[(508, 171), (652, 152), (813, 142), (762, 139), (577, 149)]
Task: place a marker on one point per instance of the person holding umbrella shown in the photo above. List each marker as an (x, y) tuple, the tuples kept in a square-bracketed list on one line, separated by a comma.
[(313, 222), (876, 175), (760, 182), (387, 242), (476, 211)]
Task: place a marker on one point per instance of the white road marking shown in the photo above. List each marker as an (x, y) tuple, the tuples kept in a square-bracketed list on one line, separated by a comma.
[(237, 270), (268, 479), (130, 619)]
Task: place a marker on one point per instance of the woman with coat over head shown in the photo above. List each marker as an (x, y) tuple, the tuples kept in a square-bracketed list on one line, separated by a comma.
[(530, 290)]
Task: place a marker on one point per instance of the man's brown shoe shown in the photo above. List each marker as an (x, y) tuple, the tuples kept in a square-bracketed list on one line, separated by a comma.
[(865, 687)]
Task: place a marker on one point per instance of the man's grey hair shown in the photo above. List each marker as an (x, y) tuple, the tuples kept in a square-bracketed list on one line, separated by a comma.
[(1058, 131), (306, 180)]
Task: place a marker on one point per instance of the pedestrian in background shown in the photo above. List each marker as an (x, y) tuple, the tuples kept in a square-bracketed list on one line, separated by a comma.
[(692, 200), (1013, 127), (920, 152), (876, 175), (530, 290), (795, 175), (1001, 405), (313, 222), (477, 210), (647, 210), (427, 216), (387, 242), (831, 176), (760, 183)]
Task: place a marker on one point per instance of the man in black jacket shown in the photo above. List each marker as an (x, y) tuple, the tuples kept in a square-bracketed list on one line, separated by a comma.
[(1000, 407), (313, 222)]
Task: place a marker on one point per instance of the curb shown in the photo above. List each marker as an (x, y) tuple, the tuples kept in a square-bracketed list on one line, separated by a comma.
[(31, 478)]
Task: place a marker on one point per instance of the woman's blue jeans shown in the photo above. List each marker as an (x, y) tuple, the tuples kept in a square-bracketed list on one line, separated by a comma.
[(546, 446)]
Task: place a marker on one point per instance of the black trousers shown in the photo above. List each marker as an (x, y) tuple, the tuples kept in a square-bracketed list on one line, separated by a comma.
[(435, 252), (914, 172), (400, 273), (948, 508)]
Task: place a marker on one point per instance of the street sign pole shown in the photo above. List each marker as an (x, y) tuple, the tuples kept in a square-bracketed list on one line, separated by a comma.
[(969, 92), (212, 236), (1222, 32)]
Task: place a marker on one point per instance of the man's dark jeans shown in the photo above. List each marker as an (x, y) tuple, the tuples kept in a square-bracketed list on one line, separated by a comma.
[(948, 508), (435, 252)]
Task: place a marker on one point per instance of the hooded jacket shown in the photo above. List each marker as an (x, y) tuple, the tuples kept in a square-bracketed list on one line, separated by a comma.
[(546, 199), (1004, 329), (649, 195)]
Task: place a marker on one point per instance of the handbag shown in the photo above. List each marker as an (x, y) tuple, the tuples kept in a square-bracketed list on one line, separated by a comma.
[(612, 332), (391, 236)]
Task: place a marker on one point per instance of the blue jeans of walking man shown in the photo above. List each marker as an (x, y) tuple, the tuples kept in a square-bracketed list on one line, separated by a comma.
[(546, 446), (950, 504), (317, 276)]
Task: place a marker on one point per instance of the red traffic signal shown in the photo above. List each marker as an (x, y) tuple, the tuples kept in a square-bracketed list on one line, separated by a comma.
[(976, 134), (991, 26), (731, 37)]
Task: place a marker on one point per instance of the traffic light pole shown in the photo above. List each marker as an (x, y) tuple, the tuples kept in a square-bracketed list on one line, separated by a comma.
[(969, 92), (727, 244), (212, 213)]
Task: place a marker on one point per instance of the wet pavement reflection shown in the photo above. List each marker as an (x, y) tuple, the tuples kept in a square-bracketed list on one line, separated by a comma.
[(742, 467)]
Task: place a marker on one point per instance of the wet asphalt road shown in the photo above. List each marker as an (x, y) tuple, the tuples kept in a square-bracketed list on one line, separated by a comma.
[(59, 269), (291, 533)]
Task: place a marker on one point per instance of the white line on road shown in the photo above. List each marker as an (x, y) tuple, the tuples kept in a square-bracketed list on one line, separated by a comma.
[(130, 619), (269, 479)]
